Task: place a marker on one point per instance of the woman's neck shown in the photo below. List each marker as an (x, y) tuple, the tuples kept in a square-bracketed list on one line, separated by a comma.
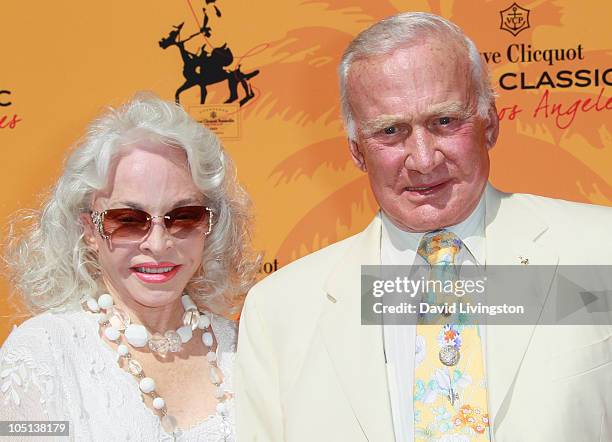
[(156, 319)]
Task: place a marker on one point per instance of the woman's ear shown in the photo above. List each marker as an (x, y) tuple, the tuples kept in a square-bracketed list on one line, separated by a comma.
[(89, 231)]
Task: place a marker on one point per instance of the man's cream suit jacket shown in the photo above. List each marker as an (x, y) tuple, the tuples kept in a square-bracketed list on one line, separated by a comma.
[(307, 371)]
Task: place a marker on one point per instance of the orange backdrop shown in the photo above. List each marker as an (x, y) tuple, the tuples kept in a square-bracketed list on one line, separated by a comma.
[(62, 62)]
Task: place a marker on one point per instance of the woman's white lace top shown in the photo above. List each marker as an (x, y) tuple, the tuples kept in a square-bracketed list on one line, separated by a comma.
[(56, 367)]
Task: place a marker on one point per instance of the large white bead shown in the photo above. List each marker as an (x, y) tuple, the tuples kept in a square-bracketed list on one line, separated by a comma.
[(105, 301), (203, 322), (185, 333), (147, 385), (211, 356), (111, 333), (123, 350), (137, 335), (92, 305), (207, 339), (159, 403), (188, 303), (118, 318)]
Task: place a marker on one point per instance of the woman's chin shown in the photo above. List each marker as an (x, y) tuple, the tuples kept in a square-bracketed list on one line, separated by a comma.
[(152, 296)]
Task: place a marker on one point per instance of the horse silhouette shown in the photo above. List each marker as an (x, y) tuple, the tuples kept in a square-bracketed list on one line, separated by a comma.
[(204, 69)]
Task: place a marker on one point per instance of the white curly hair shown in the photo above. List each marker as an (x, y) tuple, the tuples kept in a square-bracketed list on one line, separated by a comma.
[(404, 29), (50, 262)]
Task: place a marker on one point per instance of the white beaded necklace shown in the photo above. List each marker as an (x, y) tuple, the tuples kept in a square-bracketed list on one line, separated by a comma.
[(115, 323)]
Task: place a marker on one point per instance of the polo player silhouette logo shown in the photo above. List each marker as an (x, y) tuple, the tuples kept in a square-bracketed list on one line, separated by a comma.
[(203, 69)]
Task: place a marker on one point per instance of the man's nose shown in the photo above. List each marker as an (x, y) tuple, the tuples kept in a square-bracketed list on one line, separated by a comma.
[(422, 154), (158, 239)]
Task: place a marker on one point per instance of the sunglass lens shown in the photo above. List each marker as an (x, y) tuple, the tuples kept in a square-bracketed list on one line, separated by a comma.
[(126, 224), (185, 219)]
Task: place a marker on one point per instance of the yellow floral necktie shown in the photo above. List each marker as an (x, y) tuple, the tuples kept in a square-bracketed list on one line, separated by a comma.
[(450, 396)]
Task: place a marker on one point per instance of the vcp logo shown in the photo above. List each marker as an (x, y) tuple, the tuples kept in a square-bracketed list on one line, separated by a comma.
[(8, 120), (514, 19)]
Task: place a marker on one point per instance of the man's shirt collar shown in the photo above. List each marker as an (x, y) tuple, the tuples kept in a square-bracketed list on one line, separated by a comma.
[(399, 246)]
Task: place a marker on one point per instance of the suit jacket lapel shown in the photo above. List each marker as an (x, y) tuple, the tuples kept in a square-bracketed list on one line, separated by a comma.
[(357, 350), (511, 234)]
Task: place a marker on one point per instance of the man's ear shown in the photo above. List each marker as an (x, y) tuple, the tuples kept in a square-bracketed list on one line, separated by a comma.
[(357, 156), (492, 128), (89, 231)]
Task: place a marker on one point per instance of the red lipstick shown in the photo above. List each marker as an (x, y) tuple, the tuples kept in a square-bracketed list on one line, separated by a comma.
[(155, 273)]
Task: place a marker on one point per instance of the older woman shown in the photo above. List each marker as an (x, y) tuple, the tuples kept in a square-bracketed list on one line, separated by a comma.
[(135, 264)]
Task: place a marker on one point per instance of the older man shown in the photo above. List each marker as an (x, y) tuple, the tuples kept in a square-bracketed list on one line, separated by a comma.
[(420, 117)]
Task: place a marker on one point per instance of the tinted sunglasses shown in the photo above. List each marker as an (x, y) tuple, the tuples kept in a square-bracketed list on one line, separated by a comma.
[(133, 225)]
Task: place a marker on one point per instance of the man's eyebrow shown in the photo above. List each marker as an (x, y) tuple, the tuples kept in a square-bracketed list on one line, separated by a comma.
[(382, 121), (452, 107)]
